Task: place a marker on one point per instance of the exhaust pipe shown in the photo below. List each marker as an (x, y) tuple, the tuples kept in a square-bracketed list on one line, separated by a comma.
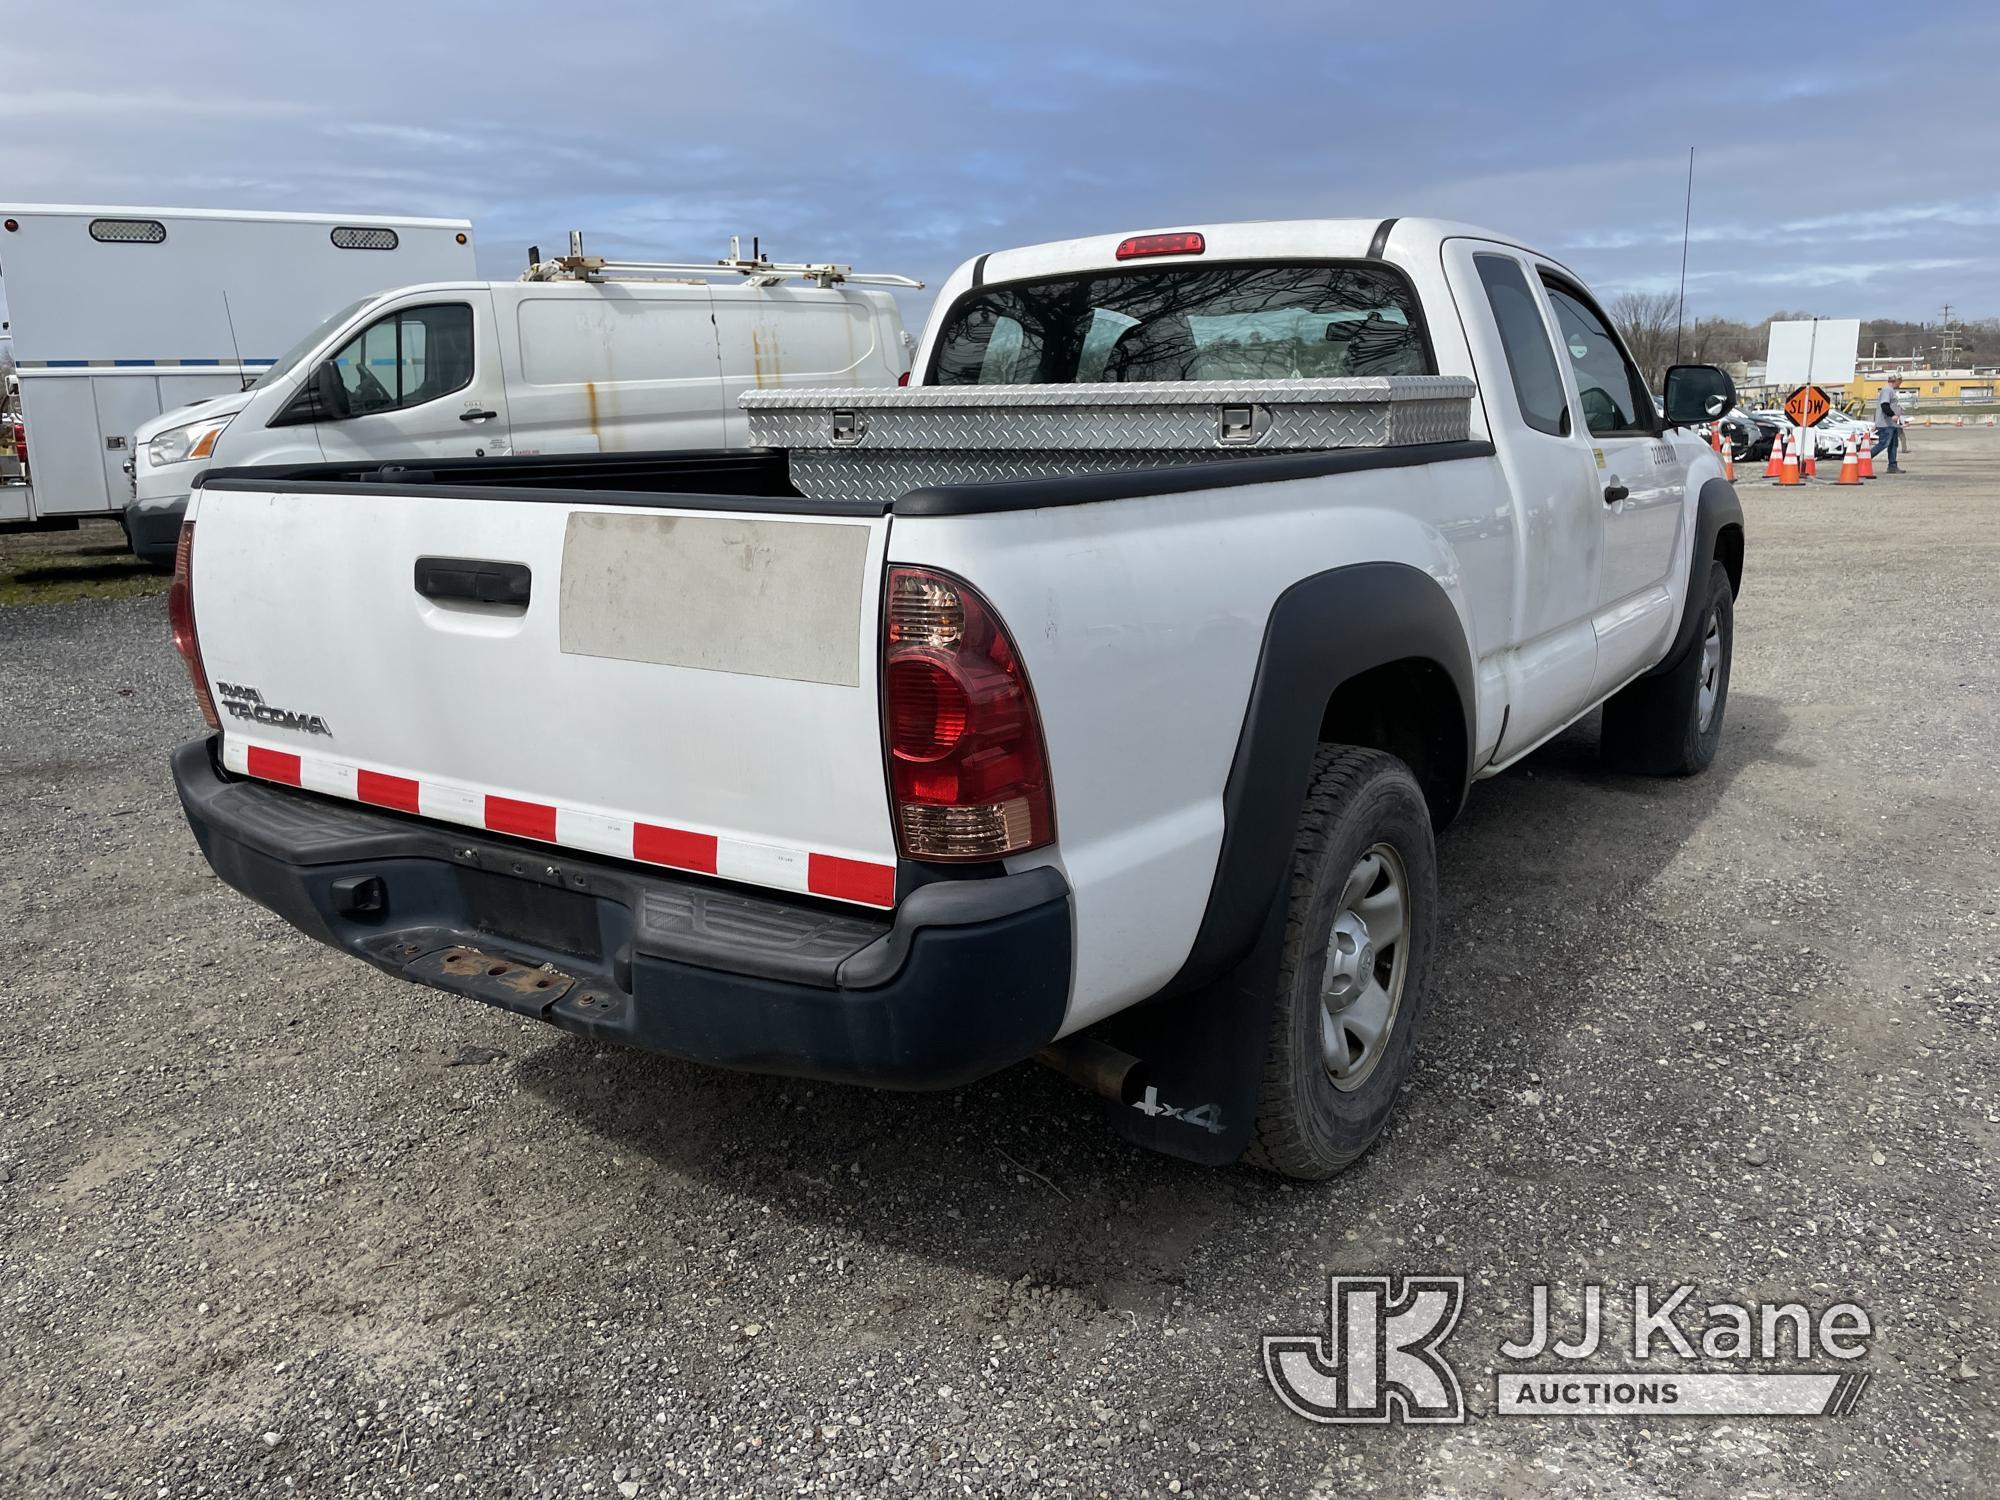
[(1098, 1066)]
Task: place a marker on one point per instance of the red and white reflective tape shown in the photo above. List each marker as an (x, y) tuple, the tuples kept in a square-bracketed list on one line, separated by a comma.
[(783, 867)]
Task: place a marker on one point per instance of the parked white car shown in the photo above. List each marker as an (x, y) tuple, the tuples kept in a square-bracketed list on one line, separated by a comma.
[(572, 364), (1831, 435), (1097, 697)]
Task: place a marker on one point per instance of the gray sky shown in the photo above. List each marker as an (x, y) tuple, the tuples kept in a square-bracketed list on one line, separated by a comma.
[(1846, 165)]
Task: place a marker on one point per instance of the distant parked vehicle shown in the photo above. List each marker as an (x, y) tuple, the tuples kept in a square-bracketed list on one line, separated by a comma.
[(580, 356), (121, 313), (1829, 438), (13, 438), (1746, 438)]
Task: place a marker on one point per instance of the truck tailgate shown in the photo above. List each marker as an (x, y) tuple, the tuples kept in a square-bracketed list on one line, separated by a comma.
[(682, 687)]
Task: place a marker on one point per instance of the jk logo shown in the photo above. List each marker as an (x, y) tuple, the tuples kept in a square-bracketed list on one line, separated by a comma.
[(1380, 1362)]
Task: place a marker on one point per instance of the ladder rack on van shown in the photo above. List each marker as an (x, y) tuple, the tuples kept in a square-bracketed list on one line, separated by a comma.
[(754, 268)]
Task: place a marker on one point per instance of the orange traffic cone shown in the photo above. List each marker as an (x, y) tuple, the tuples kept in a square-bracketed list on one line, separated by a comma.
[(1774, 465), (1729, 462), (1715, 437), (1850, 466), (1809, 456), (1789, 473), (1867, 455)]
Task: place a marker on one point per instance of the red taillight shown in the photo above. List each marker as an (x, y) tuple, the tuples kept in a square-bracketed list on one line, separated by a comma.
[(967, 773), (180, 615), (904, 378), (1161, 244), (21, 443)]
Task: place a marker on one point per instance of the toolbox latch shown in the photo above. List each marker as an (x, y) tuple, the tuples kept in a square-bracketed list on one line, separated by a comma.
[(1239, 425), (848, 427)]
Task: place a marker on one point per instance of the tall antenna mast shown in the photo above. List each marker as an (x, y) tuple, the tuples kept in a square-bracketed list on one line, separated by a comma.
[(242, 375), (1948, 347), (1687, 221)]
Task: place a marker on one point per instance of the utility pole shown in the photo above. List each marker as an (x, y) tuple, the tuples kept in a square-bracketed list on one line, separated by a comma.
[(1948, 353)]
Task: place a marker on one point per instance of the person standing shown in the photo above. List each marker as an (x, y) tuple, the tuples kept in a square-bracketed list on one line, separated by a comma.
[(1889, 420)]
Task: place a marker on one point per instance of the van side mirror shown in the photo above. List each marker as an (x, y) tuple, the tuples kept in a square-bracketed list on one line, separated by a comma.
[(321, 399), (331, 396), (1697, 393)]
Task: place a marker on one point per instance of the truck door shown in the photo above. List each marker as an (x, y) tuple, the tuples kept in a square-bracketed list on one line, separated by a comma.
[(1538, 675), (421, 381), (1644, 478)]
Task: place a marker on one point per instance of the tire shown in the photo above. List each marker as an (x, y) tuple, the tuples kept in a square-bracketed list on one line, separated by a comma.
[(1670, 724), (1361, 805)]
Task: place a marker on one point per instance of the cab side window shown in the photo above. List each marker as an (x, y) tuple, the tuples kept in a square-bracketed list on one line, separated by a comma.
[(414, 355), (1538, 385), (1615, 399)]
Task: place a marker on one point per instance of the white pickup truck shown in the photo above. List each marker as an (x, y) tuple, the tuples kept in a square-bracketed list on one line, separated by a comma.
[(1098, 697)]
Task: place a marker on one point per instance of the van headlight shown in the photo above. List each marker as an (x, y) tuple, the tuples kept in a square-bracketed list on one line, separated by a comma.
[(191, 440)]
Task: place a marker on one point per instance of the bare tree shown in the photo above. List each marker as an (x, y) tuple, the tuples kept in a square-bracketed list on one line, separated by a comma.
[(1646, 321)]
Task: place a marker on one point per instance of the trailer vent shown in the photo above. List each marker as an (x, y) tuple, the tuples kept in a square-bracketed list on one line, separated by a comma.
[(364, 239), (128, 231)]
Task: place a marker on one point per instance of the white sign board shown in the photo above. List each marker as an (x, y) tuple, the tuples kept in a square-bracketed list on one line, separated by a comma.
[(1817, 351)]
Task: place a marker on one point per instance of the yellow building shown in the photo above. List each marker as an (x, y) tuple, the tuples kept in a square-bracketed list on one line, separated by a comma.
[(1930, 387)]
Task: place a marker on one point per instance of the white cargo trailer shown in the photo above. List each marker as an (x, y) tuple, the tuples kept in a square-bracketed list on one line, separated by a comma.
[(119, 314)]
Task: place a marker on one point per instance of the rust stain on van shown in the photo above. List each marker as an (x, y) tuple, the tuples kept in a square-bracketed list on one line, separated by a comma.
[(766, 362), (590, 399)]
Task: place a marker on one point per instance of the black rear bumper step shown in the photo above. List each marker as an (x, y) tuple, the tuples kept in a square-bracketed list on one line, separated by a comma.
[(965, 978)]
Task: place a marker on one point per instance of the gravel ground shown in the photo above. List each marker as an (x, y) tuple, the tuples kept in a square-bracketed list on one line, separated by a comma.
[(269, 1219)]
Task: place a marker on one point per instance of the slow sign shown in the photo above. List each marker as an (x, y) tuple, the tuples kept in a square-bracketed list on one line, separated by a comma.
[(1806, 405)]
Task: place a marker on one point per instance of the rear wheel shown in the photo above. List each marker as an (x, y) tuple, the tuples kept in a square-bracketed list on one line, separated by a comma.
[(1358, 940), (1670, 724)]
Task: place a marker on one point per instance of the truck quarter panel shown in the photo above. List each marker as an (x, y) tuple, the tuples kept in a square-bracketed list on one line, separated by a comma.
[(1142, 623)]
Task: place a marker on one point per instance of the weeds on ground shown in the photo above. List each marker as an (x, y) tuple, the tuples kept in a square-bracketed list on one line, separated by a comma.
[(56, 567)]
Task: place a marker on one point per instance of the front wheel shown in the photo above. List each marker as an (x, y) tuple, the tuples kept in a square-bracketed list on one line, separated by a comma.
[(1358, 940), (1670, 724)]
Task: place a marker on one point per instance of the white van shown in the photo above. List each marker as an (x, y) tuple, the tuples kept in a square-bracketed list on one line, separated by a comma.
[(551, 364)]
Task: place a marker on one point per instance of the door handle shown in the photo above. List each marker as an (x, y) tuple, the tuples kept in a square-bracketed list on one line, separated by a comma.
[(1614, 492), (477, 416), (473, 578)]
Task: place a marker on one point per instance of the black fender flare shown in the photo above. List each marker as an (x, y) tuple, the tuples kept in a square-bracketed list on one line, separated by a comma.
[(1202, 1037), (1718, 508), (1323, 631)]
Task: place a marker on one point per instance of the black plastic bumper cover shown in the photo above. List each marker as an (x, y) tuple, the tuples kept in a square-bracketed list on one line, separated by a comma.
[(155, 530), (968, 977)]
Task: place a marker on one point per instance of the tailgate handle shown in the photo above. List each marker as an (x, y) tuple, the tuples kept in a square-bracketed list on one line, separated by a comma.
[(473, 578)]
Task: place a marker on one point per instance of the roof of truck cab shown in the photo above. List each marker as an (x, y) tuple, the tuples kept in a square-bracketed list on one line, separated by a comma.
[(1257, 239)]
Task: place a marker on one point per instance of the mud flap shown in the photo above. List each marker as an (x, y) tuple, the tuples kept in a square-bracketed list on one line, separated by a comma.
[(1202, 1056)]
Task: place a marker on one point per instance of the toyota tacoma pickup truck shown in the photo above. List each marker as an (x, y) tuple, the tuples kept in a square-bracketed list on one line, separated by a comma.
[(1099, 697)]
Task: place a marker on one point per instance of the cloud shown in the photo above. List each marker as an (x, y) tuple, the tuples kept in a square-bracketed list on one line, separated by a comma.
[(910, 137)]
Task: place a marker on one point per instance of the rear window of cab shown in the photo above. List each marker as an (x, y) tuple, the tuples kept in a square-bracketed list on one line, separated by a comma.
[(1316, 321)]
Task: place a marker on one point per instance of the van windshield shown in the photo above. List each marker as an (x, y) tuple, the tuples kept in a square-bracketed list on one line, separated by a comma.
[(1224, 322), (307, 344)]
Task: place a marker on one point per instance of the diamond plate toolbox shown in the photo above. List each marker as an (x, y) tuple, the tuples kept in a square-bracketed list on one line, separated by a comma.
[(878, 444)]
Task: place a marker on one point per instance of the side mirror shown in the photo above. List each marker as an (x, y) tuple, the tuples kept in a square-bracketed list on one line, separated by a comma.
[(330, 396), (321, 399), (1697, 393)]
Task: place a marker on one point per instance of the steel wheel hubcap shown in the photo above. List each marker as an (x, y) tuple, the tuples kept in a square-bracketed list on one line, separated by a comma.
[(1711, 671), (1362, 990)]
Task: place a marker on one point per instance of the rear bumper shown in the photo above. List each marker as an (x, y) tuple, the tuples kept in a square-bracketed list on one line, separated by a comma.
[(968, 977)]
